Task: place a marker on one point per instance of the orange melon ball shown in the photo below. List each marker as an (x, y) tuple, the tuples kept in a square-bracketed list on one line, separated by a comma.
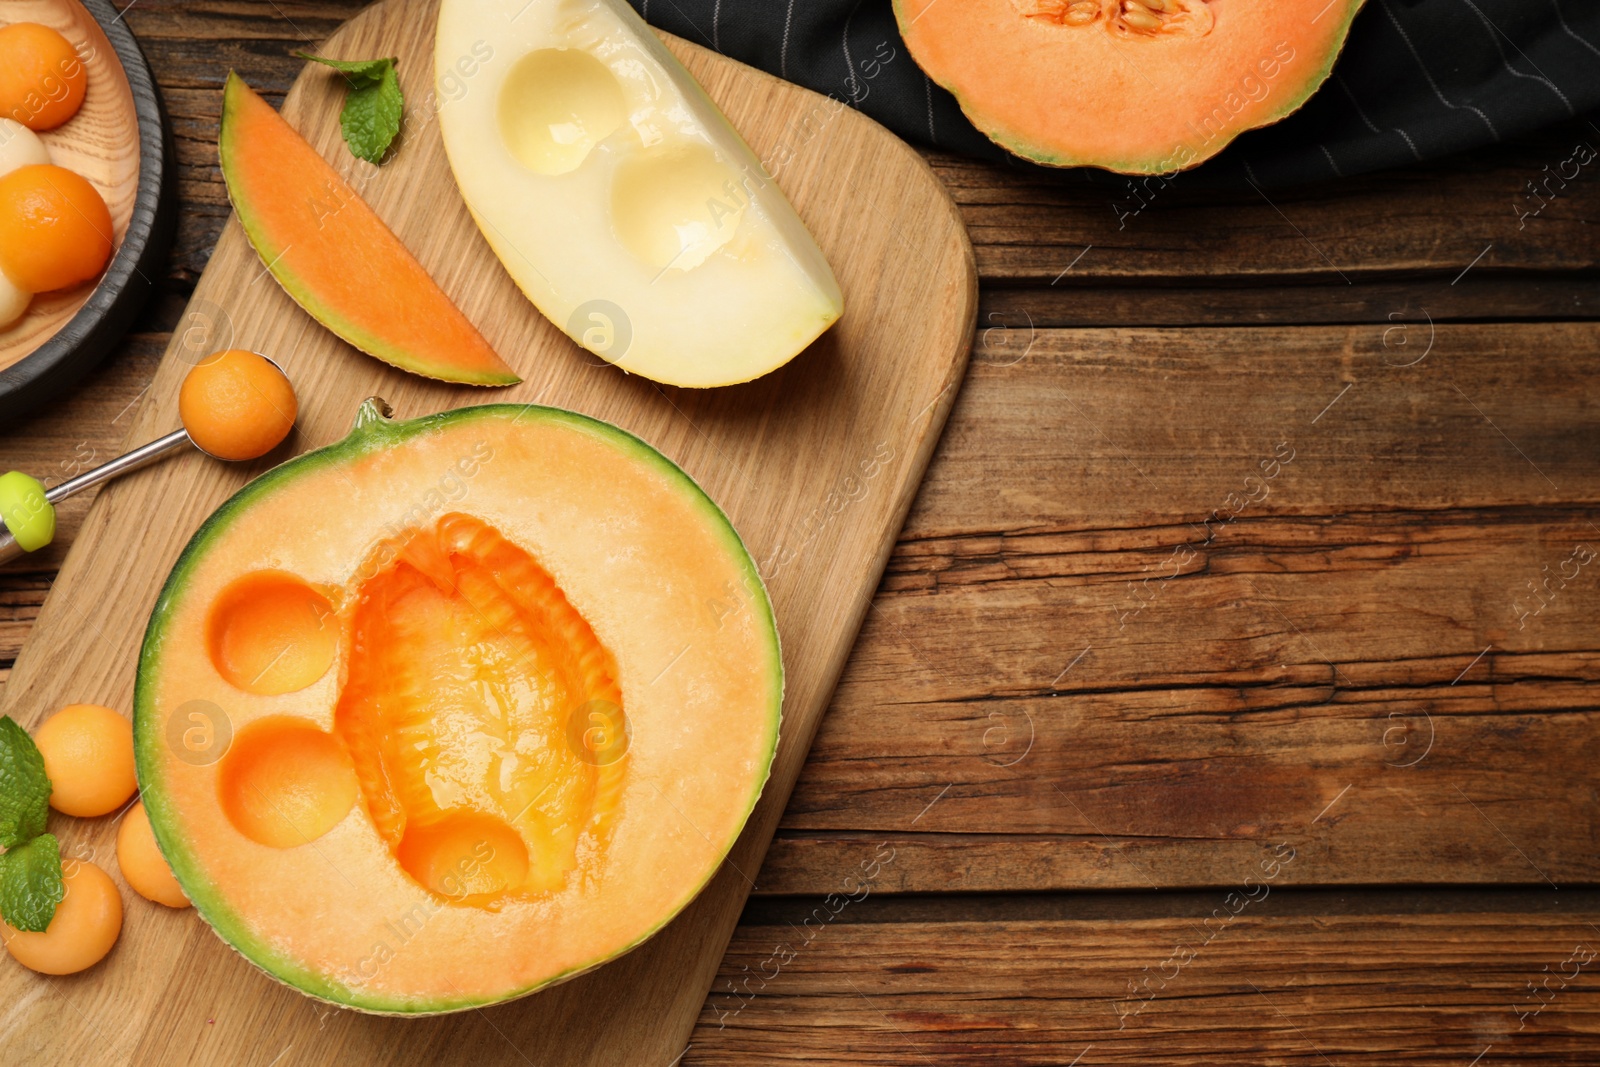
[(42, 80), (85, 926), (143, 865), (88, 754), (237, 405), (55, 229)]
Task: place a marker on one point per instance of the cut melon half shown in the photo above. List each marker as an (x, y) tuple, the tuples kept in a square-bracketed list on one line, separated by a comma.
[(619, 198), (1136, 86), (455, 708), (334, 255)]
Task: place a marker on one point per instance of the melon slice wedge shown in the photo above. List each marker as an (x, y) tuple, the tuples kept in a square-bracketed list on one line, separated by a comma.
[(335, 257), (619, 198), (1134, 86)]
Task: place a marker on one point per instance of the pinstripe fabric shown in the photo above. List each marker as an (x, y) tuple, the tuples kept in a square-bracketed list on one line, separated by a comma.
[(1419, 79)]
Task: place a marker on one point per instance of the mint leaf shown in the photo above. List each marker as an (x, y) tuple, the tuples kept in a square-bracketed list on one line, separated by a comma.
[(358, 72), (30, 868), (30, 884), (24, 787), (373, 104), (371, 117)]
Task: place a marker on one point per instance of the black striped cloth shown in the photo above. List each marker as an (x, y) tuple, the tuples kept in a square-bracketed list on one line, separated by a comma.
[(1418, 79)]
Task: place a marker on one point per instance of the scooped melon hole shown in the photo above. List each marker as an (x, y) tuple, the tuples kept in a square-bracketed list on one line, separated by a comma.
[(285, 783), (555, 106), (272, 633), (465, 856), (672, 206)]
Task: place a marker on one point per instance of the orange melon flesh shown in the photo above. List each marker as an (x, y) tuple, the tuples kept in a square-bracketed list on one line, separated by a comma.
[(335, 257), (460, 585), (1122, 84), (554, 701)]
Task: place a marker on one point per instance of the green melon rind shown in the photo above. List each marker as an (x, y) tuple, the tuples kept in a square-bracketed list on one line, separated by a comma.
[(302, 294), (1050, 157), (369, 436)]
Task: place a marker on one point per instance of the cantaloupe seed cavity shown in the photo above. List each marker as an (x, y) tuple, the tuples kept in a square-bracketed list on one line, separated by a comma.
[(271, 633), (1137, 18), (673, 205), (467, 669), (556, 104), (285, 783)]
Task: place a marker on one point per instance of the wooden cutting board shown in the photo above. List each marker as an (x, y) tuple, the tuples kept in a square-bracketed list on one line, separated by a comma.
[(815, 464)]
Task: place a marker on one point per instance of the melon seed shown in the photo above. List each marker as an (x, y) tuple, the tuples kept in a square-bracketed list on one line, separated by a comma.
[(1140, 18), (1082, 12), (1068, 12)]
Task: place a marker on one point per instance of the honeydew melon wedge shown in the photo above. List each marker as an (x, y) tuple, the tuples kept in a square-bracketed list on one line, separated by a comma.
[(619, 198)]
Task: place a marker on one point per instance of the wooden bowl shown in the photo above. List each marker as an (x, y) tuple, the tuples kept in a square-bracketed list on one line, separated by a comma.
[(117, 140)]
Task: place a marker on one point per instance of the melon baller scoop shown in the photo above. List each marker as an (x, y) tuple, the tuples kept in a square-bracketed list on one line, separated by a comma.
[(257, 397)]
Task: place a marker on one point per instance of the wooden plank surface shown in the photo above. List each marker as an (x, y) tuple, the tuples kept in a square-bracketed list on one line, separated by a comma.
[(1396, 542), (1433, 220), (1070, 642), (1313, 981), (815, 464)]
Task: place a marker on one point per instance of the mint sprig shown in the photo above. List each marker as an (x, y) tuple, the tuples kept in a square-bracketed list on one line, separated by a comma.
[(30, 868), (372, 104), (30, 883), (24, 787)]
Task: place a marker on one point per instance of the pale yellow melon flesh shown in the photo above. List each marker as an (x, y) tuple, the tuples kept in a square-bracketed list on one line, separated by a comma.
[(619, 198)]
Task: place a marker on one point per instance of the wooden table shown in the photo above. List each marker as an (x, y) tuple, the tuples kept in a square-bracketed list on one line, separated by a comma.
[(1227, 696)]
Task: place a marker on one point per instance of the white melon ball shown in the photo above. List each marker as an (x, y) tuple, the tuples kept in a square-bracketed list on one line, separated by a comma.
[(13, 301), (19, 147)]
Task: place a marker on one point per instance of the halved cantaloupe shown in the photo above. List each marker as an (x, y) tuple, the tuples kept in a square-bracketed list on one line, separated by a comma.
[(335, 257), (1136, 86), (455, 708)]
